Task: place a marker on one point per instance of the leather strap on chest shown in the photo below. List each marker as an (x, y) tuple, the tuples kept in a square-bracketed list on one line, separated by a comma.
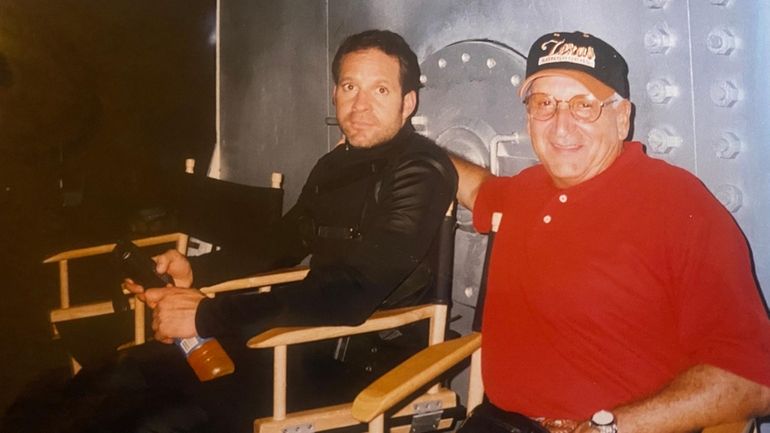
[(362, 171)]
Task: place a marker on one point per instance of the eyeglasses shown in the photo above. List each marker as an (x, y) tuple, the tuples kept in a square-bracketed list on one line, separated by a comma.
[(583, 108)]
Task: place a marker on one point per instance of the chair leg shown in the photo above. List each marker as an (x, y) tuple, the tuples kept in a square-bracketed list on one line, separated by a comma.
[(64, 285), (139, 313), (377, 425), (181, 244), (437, 331), (279, 383), (475, 386)]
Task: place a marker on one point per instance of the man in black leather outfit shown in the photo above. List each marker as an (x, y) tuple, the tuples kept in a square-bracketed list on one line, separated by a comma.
[(367, 214)]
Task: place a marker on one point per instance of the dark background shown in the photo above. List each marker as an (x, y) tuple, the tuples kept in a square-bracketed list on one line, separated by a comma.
[(99, 100)]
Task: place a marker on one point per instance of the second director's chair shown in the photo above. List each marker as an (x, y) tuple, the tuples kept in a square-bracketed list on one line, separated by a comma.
[(202, 204)]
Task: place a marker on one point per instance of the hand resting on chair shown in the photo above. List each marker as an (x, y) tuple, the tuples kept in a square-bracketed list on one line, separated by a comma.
[(173, 308)]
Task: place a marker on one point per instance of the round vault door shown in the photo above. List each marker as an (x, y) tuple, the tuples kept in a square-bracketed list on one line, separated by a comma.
[(469, 105)]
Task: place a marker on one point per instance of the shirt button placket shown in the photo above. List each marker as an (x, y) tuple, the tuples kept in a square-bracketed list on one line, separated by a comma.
[(548, 218)]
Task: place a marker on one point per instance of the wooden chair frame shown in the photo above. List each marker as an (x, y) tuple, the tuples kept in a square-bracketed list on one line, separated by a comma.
[(180, 241), (426, 366), (277, 339), (339, 416), (67, 312), (430, 363)]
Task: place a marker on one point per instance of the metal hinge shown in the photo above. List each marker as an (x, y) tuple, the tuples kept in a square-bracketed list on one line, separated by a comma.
[(299, 428), (426, 417)]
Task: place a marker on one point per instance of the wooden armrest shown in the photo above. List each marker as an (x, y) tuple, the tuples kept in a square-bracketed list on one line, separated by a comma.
[(107, 248), (380, 320), (426, 365), (280, 276), (412, 374), (736, 427), (86, 310)]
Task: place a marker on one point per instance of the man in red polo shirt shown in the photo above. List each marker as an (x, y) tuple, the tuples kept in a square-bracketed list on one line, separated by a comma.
[(621, 295)]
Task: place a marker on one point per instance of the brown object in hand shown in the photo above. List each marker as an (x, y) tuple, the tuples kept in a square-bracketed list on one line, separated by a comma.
[(210, 361)]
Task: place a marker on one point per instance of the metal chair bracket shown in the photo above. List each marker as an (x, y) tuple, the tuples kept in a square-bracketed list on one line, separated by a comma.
[(427, 416), (300, 428)]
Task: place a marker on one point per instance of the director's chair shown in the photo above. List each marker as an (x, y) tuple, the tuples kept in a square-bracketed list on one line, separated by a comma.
[(202, 204), (339, 417), (376, 401), (278, 339)]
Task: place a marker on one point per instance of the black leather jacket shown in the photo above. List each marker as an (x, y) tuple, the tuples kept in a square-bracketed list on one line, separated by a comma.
[(367, 216)]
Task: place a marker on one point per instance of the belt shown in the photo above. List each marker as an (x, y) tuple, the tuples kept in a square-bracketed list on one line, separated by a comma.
[(558, 425), (488, 418)]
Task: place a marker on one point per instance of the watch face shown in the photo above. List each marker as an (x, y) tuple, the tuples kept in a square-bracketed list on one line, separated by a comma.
[(604, 421), (603, 417)]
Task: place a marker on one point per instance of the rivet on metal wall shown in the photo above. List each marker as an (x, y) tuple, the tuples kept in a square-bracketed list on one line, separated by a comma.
[(730, 196), (658, 40), (660, 91), (728, 145), (662, 140), (465, 57), (423, 79), (441, 63), (721, 41), (491, 63), (516, 80), (724, 93), (469, 292), (655, 4)]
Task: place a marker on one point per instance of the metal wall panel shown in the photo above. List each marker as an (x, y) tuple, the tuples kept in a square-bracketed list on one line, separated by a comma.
[(274, 87), (684, 71), (698, 82), (730, 115)]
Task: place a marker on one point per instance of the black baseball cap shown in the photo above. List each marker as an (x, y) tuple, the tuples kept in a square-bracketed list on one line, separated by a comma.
[(581, 56)]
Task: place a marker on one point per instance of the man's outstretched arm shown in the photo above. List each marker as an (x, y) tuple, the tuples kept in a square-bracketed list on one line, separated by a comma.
[(471, 176), (700, 397)]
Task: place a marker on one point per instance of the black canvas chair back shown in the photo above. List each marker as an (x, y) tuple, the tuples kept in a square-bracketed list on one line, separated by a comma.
[(224, 213), (479, 311), (443, 254), (431, 281), (360, 359)]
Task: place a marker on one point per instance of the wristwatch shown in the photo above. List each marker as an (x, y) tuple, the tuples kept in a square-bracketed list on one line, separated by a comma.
[(604, 422)]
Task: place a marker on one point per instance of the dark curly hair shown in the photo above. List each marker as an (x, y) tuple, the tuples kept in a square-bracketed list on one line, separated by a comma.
[(389, 43)]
